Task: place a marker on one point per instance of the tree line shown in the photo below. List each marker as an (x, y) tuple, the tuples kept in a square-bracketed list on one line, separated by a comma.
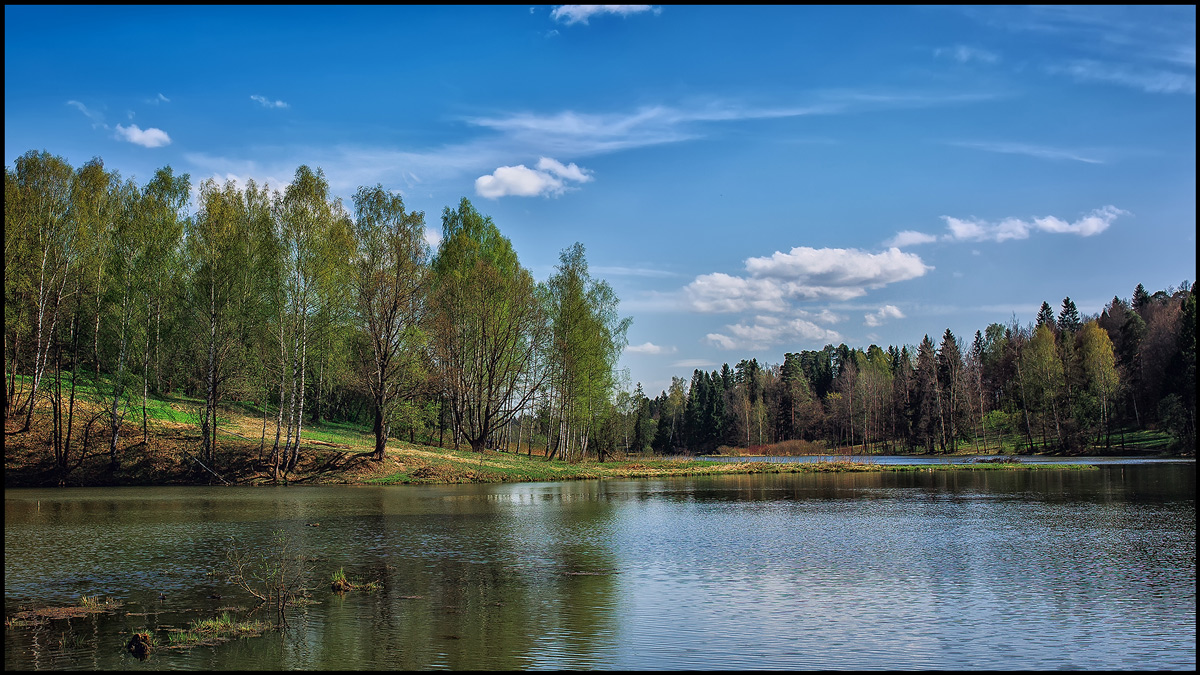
[(1065, 383), (114, 292)]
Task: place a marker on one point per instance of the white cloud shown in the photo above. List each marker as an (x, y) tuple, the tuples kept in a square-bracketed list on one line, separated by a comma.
[(549, 178), (722, 341), (158, 99), (909, 238), (692, 363), (808, 273), (1094, 223), (1014, 228), (433, 238), (978, 230), (826, 316), (266, 102), (568, 172), (573, 14), (1039, 151), (720, 292), (766, 332), (963, 54), (886, 312), (149, 138), (833, 272), (649, 348)]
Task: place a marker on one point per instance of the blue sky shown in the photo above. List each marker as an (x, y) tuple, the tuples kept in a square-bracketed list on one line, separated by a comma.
[(750, 180)]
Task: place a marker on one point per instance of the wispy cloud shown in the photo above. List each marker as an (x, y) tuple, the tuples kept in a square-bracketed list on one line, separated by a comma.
[(909, 238), (1151, 80), (1151, 48), (573, 14), (266, 102), (878, 318), (616, 270), (158, 99), (558, 134), (1014, 228), (650, 348), (147, 138), (975, 229), (96, 117), (965, 54), (549, 178), (693, 363), (1039, 151), (576, 134)]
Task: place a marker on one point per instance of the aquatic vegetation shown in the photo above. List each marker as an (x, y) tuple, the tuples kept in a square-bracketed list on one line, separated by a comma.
[(215, 630), (340, 583), (38, 616)]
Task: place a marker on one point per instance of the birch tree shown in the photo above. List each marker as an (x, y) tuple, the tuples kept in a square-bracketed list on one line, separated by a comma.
[(48, 234), (489, 325), (391, 284), (316, 241)]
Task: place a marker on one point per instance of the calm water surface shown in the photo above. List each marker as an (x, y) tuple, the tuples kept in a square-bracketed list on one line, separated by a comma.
[(945, 570)]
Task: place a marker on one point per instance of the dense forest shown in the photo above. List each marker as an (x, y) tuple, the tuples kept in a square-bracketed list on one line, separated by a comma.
[(1065, 384), (115, 293)]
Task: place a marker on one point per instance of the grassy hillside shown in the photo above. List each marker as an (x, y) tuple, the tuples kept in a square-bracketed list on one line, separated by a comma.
[(330, 454)]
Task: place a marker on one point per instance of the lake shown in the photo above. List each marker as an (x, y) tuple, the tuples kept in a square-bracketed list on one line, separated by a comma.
[(941, 570)]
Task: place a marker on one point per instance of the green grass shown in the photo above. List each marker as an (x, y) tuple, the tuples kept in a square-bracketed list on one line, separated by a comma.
[(215, 630), (339, 583)]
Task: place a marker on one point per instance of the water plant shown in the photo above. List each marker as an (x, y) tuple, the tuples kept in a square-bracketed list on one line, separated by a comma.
[(220, 628), (340, 583)]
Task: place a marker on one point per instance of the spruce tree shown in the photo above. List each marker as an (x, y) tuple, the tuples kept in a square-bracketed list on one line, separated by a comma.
[(1068, 318), (1140, 299), (1045, 315)]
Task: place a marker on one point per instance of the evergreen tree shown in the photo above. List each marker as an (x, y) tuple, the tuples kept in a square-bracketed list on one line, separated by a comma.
[(1068, 317), (925, 410), (1140, 299), (1045, 315), (951, 376)]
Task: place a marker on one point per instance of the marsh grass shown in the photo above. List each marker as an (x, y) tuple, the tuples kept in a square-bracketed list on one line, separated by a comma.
[(39, 616), (340, 583), (215, 630)]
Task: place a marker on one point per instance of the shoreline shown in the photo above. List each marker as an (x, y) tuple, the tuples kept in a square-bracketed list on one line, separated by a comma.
[(167, 458)]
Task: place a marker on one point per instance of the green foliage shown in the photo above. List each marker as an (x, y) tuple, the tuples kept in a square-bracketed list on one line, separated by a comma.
[(119, 300), (489, 326), (1068, 317), (215, 630)]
